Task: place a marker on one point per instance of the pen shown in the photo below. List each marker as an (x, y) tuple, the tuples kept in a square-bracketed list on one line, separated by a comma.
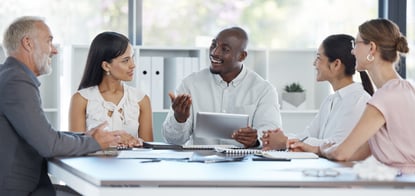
[(302, 140), (219, 161), (151, 161), (270, 159)]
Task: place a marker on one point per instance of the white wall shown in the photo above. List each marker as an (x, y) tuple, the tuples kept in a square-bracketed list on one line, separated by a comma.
[(287, 66)]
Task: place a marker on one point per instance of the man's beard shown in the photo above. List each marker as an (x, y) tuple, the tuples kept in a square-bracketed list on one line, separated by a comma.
[(42, 64), (213, 71)]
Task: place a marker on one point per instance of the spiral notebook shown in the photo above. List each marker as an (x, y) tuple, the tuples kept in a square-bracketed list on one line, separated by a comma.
[(238, 151), (270, 154)]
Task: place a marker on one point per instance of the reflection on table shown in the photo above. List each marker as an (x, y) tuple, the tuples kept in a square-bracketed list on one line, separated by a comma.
[(109, 175)]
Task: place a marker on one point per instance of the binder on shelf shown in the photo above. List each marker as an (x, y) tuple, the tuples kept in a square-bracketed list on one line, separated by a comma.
[(170, 81), (179, 70), (191, 65), (144, 75), (157, 86), (176, 69), (158, 75)]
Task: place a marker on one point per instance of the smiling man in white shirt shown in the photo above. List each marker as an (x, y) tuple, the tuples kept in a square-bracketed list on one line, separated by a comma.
[(227, 86)]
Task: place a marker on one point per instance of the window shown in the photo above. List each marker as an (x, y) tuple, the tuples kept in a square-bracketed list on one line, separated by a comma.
[(71, 22), (293, 24)]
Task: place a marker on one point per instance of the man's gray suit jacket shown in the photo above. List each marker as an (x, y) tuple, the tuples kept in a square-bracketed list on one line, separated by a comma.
[(27, 138)]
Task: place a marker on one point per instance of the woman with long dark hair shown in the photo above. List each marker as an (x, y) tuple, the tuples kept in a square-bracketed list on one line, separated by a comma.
[(102, 94)]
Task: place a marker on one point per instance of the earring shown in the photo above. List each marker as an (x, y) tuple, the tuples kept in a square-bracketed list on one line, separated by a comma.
[(370, 57), (108, 73)]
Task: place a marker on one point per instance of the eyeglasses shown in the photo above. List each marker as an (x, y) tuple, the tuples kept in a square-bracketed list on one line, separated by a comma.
[(354, 43), (321, 172)]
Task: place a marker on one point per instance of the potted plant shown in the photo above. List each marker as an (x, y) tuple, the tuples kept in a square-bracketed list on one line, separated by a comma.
[(294, 94)]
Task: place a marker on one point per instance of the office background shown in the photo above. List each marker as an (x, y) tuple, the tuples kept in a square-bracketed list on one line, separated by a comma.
[(284, 35)]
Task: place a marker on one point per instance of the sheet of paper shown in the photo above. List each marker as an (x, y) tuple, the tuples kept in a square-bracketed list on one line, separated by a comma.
[(153, 154), (289, 155)]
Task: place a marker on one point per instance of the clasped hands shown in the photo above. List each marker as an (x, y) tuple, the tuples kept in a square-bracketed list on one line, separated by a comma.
[(118, 138)]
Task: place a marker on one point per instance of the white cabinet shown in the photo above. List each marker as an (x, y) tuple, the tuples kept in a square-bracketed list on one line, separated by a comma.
[(160, 70), (49, 89)]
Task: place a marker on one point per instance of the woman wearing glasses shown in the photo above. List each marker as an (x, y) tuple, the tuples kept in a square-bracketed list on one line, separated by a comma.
[(386, 128), (341, 110)]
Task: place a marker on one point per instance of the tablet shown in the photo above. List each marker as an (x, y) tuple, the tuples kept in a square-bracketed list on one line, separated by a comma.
[(219, 125)]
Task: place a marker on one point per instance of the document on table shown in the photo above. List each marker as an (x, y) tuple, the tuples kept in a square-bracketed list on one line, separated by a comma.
[(289, 155), (153, 154)]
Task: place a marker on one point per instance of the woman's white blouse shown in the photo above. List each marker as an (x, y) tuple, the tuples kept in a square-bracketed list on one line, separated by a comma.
[(338, 115), (123, 116)]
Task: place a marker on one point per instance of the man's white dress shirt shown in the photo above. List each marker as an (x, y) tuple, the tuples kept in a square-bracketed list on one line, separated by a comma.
[(248, 94)]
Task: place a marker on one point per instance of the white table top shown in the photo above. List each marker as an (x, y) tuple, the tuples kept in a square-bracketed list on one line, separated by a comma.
[(111, 171)]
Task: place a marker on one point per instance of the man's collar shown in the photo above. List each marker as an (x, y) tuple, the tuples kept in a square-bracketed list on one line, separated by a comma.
[(20, 65), (235, 82)]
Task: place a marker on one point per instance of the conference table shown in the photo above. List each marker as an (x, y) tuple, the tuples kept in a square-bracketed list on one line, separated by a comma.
[(111, 175)]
